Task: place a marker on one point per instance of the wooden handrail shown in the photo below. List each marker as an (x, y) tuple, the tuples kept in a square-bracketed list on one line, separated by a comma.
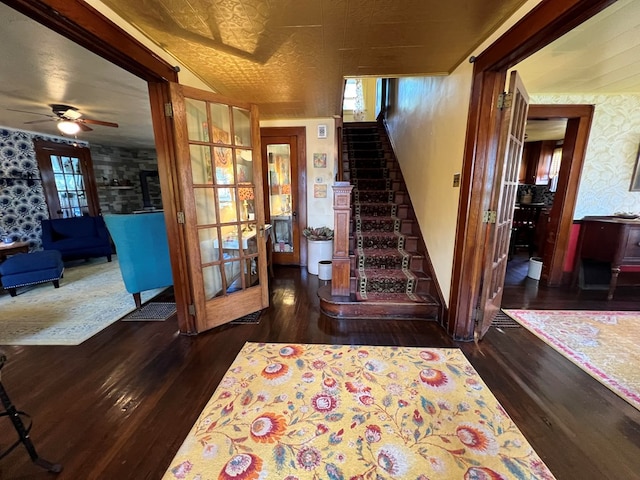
[(341, 266)]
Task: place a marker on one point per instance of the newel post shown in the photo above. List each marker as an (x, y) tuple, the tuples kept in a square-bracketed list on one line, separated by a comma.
[(340, 266)]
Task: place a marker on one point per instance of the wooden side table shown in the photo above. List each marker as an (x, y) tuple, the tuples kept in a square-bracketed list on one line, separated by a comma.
[(7, 249)]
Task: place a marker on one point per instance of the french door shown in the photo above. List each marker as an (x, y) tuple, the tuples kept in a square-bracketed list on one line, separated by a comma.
[(68, 180), (218, 158), (509, 154)]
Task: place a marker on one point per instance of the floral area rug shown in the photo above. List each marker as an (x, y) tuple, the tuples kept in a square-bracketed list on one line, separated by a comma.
[(333, 412), (91, 297), (606, 345)]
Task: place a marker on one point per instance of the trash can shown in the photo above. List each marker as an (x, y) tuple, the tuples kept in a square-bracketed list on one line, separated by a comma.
[(324, 270), (535, 268)]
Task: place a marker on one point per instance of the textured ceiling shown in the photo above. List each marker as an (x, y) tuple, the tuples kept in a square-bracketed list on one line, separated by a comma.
[(39, 67), (290, 56)]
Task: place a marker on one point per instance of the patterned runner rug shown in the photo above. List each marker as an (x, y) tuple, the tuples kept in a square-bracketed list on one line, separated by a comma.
[(91, 297), (606, 345), (343, 412)]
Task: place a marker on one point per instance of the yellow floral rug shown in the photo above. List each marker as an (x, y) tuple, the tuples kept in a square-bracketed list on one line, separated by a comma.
[(298, 411), (605, 344)]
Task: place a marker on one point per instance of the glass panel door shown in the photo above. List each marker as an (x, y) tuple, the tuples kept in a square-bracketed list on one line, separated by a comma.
[(70, 186), (279, 161), (68, 180), (224, 229)]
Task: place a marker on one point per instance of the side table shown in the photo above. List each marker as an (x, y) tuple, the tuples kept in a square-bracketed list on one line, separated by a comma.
[(7, 249)]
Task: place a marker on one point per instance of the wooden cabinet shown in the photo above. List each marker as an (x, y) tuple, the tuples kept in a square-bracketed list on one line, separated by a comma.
[(611, 240), (536, 162)]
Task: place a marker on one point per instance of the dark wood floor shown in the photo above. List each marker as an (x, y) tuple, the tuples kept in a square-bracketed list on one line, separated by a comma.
[(119, 405)]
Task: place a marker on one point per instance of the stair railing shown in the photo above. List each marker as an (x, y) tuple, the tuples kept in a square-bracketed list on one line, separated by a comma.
[(341, 264)]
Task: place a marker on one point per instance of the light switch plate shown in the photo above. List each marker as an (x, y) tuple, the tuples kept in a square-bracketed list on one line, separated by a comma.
[(456, 179)]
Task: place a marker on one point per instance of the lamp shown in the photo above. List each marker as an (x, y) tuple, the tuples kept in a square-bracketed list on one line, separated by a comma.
[(68, 128), (244, 194)]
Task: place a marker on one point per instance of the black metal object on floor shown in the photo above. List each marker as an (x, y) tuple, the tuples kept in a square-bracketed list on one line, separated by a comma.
[(23, 431)]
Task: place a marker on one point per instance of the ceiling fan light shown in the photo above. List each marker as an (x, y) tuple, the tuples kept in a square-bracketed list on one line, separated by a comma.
[(68, 128)]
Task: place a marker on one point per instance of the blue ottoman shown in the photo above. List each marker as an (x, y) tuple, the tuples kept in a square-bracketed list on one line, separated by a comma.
[(31, 268)]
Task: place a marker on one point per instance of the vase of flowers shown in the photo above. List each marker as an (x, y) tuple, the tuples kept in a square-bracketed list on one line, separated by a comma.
[(319, 246)]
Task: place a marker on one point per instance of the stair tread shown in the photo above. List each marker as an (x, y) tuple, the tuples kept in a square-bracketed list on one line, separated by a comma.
[(400, 273), (387, 251), (398, 298)]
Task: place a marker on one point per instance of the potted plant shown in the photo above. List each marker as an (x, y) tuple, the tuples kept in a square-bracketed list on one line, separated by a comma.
[(320, 246)]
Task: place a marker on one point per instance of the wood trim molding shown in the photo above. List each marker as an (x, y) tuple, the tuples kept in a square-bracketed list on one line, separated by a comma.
[(573, 154), (86, 26), (172, 203), (544, 24)]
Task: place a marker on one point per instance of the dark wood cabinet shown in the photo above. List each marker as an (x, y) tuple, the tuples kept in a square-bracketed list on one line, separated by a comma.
[(609, 240), (536, 162)]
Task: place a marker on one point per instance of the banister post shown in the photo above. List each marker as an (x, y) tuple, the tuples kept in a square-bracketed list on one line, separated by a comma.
[(340, 266)]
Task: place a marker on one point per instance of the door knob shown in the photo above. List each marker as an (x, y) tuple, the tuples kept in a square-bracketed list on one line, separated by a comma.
[(294, 214)]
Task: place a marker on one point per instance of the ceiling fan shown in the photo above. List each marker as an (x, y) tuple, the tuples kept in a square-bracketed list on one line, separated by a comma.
[(70, 120)]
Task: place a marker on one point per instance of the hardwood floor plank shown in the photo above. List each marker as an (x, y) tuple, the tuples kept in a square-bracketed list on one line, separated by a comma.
[(120, 405)]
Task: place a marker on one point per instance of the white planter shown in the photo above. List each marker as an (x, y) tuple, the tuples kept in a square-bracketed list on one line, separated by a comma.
[(318, 250)]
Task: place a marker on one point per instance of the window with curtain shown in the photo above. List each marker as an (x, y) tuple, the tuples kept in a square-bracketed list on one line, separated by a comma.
[(554, 169)]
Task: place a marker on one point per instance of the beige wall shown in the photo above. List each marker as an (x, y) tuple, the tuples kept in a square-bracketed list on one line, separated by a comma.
[(319, 210), (427, 123)]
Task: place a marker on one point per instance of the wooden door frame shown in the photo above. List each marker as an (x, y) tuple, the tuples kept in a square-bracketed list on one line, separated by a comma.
[(548, 21), (564, 201), (86, 26), (301, 138)]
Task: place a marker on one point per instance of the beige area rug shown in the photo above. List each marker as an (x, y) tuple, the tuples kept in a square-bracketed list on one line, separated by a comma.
[(300, 411), (91, 297), (605, 344)]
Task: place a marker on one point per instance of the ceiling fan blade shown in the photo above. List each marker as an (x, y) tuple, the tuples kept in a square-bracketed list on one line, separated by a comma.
[(39, 121), (83, 127), (30, 113), (98, 122)]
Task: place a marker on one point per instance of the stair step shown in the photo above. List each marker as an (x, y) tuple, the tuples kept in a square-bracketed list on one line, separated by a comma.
[(383, 240), (386, 258), (423, 284), (397, 307), (370, 260)]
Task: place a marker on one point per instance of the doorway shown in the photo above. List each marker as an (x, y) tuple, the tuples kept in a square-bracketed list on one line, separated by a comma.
[(284, 167)]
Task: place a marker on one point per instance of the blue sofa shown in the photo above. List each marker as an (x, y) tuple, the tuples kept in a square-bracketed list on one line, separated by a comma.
[(143, 251), (76, 238)]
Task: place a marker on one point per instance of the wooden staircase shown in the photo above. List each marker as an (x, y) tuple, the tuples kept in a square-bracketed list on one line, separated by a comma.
[(390, 273)]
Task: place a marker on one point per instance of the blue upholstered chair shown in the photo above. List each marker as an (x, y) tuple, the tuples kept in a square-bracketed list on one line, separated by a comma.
[(142, 250), (77, 237)]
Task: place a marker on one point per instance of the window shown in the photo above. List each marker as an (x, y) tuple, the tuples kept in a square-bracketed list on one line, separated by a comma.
[(350, 93)]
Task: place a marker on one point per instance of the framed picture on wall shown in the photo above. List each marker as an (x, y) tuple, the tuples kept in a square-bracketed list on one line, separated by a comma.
[(635, 178)]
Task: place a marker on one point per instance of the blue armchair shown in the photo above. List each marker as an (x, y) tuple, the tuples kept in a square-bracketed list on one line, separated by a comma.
[(142, 250), (77, 237)]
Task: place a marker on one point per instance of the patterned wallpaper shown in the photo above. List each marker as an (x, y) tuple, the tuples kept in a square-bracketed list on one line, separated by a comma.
[(611, 153), (22, 201)]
